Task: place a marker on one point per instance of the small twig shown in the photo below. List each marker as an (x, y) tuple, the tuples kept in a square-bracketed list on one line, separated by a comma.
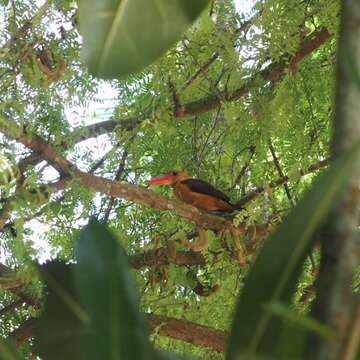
[(259, 190), (245, 166), (100, 162), (280, 172), (118, 175), (216, 120), (202, 70)]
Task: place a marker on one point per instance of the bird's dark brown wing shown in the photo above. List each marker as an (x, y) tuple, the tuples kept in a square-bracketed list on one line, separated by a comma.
[(203, 187)]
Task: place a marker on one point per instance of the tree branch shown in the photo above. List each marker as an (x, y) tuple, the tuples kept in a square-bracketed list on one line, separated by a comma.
[(23, 333), (280, 172), (198, 335), (281, 181), (189, 332), (273, 72), (137, 194), (7, 283), (160, 257), (119, 189)]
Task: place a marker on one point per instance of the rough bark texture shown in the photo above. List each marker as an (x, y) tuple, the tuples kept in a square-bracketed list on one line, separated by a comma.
[(335, 304), (124, 190), (183, 330), (119, 189), (187, 331), (8, 283), (23, 333), (160, 257)]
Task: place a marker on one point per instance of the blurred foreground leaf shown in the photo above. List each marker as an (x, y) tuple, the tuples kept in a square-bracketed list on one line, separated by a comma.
[(302, 320), (116, 329), (274, 275), (59, 330), (8, 351), (122, 36)]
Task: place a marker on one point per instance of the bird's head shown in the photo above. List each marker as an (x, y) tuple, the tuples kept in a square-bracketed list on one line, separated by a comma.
[(169, 178)]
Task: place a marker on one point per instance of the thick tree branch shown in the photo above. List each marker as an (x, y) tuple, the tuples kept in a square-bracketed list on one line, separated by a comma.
[(7, 283), (198, 335), (17, 290), (273, 72), (23, 333), (119, 189), (187, 331), (137, 194), (160, 257)]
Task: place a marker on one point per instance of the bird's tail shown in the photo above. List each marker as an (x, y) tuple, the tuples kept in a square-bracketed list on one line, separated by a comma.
[(229, 214)]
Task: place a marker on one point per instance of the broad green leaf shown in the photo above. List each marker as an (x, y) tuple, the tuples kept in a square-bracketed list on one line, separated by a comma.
[(295, 331), (116, 329), (167, 355), (59, 330), (300, 319), (291, 342), (8, 351), (123, 36), (274, 275)]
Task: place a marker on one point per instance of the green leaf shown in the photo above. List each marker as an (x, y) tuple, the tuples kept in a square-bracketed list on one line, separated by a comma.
[(167, 355), (123, 36), (116, 329), (300, 319), (8, 351), (59, 330), (295, 331), (274, 275), (291, 342)]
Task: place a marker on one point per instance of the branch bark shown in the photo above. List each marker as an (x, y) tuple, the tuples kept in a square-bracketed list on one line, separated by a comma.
[(160, 257), (137, 194), (8, 283), (189, 332), (23, 333), (119, 189), (199, 335)]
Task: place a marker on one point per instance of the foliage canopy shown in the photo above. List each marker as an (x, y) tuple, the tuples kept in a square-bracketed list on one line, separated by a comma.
[(243, 100)]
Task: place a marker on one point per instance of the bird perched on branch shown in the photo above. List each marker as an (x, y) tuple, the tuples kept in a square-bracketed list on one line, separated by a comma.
[(195, 192), (202, 195)]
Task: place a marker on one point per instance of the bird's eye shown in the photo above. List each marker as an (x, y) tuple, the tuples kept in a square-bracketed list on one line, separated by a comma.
[(174, 173)]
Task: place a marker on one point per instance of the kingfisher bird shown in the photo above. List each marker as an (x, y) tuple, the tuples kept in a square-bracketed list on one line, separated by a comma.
[(195, 192)]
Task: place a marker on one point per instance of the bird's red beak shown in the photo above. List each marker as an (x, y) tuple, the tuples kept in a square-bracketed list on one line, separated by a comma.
[(163, 180)]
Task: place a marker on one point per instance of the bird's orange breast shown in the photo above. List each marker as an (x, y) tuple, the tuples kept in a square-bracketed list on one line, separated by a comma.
[(199, 200)]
